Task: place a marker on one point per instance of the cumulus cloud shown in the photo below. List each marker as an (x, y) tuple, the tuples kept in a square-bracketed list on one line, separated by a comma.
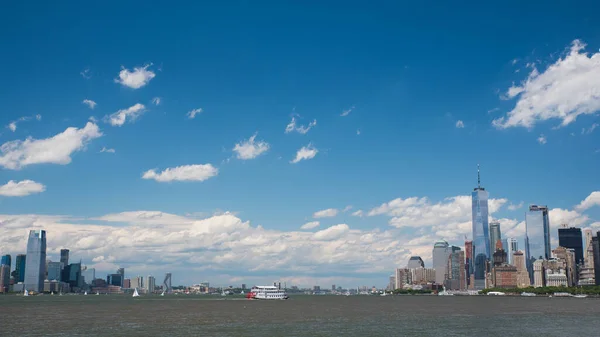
[(310, 225), (332, 233), (590, 201), (250, 148), (156, 101), (302, 129), (139, 77), (21, 188), (460, 124), (326, 213), (565, 90), (347, 112), (542, 139), (589, 130), (12, 126), (305, 153), (54, 150), (125, 115), (85, 73), (514, 207), (358, 213), (183, 173), (192, 114), (107, 150), (89, 103)]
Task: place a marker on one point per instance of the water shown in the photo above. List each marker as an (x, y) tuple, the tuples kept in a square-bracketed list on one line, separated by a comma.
[(120, 315)]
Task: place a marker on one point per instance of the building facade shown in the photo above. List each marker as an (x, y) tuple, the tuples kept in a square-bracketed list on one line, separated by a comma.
[(523, 280), (481, 236), (167, 283), (495, 234), (572, 238), (422, 275), (19, 273), (6, 259), (415, 262), (538, 273), (456, 271), (36, 261), (64, 257), (441, 251), (537, 236), (4, 278), (54, 271), (402, 277), (468, 261), (151, 284), (505, 276), (512, 245)]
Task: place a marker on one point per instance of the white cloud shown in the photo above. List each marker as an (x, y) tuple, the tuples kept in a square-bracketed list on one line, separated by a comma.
[(250, 148), (514, 207), (460, 124), (331, 233), (542, 139), (139, 77), (38, 117), (589, 130), (55, 150), (291, 127), (358, 213), (347, 112), (590, 201), (183, 173), (156, 101), (347, 208), (86, 74), (357, 132), (565, 90), (305, 153), (13, 125), (130, 114), (326, 213), (21, 188), (192, 114), (107, 150), (310, 225), (89, 103)]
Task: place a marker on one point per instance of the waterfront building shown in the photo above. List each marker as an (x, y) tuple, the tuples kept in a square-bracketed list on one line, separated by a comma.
[(127, 283), (415, 262), (456, 271), (499, 256), (588, 250), (392, 283), (167, 283), (74, 272), (64, 257), (512, 246), (538, 273), (150, 284), (403, 277), (556, 278), (422, 275), (6, 260), (19, 272), (495, 234), (481, 237), (523, 280), (566, 261), (468, 261), (4, 278), (504, 276), (596, 257), (537, 235), (36, 260), (54, 271), (137, 282), (572, 238), (114, 280), (441, 251), (587, 277), (121, 271)]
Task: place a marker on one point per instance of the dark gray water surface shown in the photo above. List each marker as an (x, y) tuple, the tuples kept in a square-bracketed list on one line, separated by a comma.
[(120, 315)]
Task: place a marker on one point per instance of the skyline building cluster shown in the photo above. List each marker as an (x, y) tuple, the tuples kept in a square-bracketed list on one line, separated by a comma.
[(35, 273)]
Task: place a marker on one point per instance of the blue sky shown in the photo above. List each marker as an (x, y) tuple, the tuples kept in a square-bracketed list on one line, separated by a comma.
[(433, 91)]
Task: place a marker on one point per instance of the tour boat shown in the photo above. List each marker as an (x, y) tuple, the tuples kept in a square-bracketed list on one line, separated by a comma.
[(267, 293), (580, 296), (528, 294), (135, 293), (496, 293)]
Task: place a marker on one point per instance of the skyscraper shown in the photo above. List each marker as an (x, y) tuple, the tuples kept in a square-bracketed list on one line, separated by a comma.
[(481, 237), (441, 251), (468, 260), (4, 278), (64, 257), (36, 261), (537, 236), (512, 246), (415, 262), (6, 260), (456, 271), (571, 238), (121, 271), (495, 234), (150, 284), (587, 248), (20, 268), (54, 271)]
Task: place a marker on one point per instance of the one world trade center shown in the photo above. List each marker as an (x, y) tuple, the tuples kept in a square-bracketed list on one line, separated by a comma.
[(481, 236)]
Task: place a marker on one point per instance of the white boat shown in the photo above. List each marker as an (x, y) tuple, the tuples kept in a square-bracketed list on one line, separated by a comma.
[(97, 293), (135, 293), (528, 294), (26, 293), (163, 293), (444, 293), (223, 293), (580, 296), (562, 294), (85, 293), (267, 293), (383, 294), (52, 293), (496, 293), (242, 292)]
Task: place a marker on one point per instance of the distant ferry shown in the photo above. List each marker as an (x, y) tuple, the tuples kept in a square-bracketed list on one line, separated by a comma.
[(528, 294), (267, 293), (496, 293)]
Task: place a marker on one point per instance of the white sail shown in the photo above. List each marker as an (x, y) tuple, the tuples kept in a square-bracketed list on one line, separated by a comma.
[(52, 293), (135, 293), (26, 293), (85, 293), (163, 293), (97, 293)]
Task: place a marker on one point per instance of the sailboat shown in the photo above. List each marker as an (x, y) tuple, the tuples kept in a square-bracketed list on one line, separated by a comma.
[(85, 293), (97, 293), (223, 292), (242, 292), (163, 293), (26, 293), (52, 293), (135, 293)]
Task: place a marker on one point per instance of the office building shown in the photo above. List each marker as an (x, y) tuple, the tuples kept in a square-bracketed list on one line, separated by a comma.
[(36, 261), (422, 275), (74, 279), (481, 237), (150, 284), (6, 260), (403, 277), (127, 283), (523, 280), (504, 276), (495, 234), (441, 251), (572, 238), (537, 236), (115, 280), (167, 283), (121, 271), (556, 278), (64, 257), (512, 246), (456, 271), (538, 273), (54, 271), (499, 257), (19, 273), (137, 282), (392, 283), (415, 262), (88, 275), (468, 261), (596, 257), (566, 258), (588, 249), (4, 278)]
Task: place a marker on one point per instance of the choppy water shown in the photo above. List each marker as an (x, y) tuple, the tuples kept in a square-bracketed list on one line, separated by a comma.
[(115, 315)]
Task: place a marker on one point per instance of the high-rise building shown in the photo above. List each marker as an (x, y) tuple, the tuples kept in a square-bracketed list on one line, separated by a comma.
[(54, 271), (150, 284), (36, 261), (481, 237), (74, 279), (441, 251), (468, 261), (422, 275), (127, 283), (115, 280), (402, 277), (6, 260), (137, 282), (495, 234), (456, 271), (89, 275), (537, 236), (596, 257), (512, 246), (64, 257), (19, 274), (499, 257), (588, 250), (4, 278), (167, 283), (538, 273), (566, 258), (121, 271), (415, 262), (572, 238), (523, 280)]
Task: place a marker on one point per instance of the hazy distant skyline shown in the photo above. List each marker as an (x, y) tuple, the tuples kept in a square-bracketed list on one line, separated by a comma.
[(251, 142)]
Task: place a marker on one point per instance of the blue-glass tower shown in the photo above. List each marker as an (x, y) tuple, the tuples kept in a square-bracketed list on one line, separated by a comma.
[(537, 236), (481, 235), (35, 266)]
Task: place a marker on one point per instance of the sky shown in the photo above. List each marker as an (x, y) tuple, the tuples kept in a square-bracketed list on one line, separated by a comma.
[(304, 142)]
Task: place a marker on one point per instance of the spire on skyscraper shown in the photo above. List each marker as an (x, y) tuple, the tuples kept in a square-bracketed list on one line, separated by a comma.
[(478, 177)]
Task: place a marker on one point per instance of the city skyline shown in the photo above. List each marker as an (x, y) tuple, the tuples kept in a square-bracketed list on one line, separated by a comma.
[(251, 147)]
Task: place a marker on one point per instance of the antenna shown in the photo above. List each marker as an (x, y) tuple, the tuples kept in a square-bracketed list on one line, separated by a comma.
[(478, 177)]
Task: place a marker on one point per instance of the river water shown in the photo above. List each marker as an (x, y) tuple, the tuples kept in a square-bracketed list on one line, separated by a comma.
[(191, 315)]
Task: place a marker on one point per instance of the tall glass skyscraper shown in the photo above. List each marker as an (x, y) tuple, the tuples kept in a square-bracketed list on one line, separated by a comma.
[(6, 260), (481, 236), (572, 238), (495, 234), (20, 268), (441, 251), (537, 236), (36, 261)]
